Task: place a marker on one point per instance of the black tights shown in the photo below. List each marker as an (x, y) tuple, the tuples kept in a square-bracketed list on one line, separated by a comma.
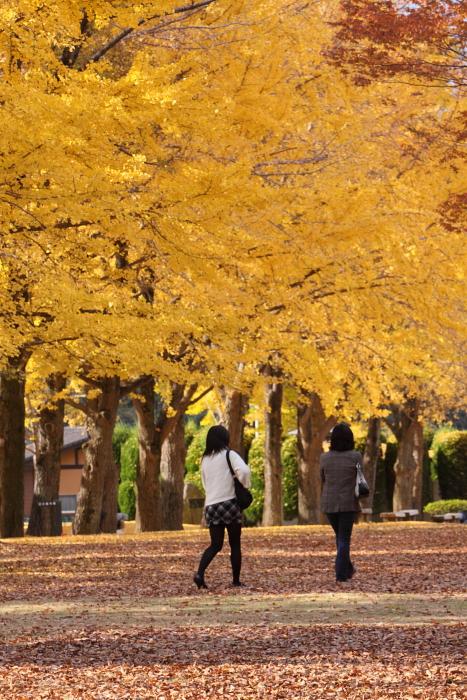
[(234, 531)]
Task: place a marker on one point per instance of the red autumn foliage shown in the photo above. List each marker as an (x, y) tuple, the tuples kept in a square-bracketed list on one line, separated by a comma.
[(379, 39)]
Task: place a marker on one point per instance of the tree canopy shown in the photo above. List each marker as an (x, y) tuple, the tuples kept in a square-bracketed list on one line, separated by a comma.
[(192, 190)]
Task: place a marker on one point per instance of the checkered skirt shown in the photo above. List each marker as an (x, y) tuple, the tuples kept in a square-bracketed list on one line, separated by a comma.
[(225, 513)]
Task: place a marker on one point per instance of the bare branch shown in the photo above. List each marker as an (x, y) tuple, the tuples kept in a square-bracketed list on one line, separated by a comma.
[(78, 406), (97, 55), (200, 396)]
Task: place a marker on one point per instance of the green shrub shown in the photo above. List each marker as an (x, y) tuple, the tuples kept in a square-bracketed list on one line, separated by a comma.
[(427, 480), (127, 498), (290, 476), (449, 462), (191, 429), (194, 455), (454, 505), (254, 513), (129, 458), (121, 433), (126, 447)]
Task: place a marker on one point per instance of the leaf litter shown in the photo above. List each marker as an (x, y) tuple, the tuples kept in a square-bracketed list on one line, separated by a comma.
[(106, 618)]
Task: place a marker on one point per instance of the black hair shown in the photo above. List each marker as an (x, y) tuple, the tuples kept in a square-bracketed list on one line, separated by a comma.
[(342, 438), (217, 440)]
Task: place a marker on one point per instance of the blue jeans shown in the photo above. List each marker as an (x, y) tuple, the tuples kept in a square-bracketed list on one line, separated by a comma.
[(342, 524)]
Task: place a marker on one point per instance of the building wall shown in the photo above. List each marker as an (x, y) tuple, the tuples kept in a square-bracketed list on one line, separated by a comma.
[(70, 480), (70, 477), (70, 474)]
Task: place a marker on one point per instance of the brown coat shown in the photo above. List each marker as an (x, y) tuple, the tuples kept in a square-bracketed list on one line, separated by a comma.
[(338, 474)]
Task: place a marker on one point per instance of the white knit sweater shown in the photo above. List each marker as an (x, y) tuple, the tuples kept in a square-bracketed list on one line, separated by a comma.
[(216, 477)]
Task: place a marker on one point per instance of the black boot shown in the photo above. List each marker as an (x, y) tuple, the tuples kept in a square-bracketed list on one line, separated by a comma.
[(199, 580)]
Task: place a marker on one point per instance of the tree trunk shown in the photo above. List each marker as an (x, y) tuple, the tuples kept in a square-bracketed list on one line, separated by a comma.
[(408, 468), (173, 474), (370, 458), (312, 428), (46, 518), (273, 508), (148, 503), (110, 495), (99, 467), (12, 414), (233, 417)]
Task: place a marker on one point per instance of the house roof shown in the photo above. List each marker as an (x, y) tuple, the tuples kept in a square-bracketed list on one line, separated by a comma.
[(73, 436)]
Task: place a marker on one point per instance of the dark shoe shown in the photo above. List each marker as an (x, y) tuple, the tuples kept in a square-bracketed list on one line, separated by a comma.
[(199, 580), (238, 584), (352, 572)]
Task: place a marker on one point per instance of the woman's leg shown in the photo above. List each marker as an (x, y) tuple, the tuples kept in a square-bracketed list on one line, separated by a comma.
[(344, 567), (334, 522), (235, 532), (217, 541)]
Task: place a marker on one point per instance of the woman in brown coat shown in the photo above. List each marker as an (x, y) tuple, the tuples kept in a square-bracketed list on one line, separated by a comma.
[(338, 500)]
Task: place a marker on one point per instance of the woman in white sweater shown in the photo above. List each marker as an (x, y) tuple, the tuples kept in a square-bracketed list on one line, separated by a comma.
[(221, 510)]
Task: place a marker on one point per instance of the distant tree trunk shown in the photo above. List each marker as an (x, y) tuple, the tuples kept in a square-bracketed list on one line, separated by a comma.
[(408, 468), (233, 417), (110, 495), (99, 467), (45, 517), (312, 428), (173, 459), (370, 458), (273, 506), (148, 502), (12, 435), (173, 474), (155, 428)]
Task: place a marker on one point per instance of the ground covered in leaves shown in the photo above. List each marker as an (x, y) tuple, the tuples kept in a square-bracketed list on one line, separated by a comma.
[(118, 617)]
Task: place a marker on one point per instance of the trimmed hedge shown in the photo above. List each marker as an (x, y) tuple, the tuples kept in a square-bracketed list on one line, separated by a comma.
[(129, 455), (121, 433), (254, 513), (125, 445), (449, 463), (127, 498), (290, 476), (454, 505)]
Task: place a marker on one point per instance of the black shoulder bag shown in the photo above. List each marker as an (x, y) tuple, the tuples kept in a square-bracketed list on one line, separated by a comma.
[(242, 494), (361, 486)]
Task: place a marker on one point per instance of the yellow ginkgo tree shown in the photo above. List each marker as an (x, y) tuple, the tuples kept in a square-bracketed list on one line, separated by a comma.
[(202, 177)]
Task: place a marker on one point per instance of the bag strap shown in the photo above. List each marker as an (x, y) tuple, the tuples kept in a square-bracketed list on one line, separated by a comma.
[(230, 465)]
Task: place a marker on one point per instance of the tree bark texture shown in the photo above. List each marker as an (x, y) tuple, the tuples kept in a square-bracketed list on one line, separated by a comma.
[(156, 425), (370, 458), (46, 514), (172, 477), (233, 417), (148, 503), (94, 512), (312, 428), (12, 414), (273, 501), (408, 468)]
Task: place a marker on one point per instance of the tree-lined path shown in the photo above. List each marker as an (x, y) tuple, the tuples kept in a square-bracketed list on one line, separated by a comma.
[(258, 205), (106, 617)]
